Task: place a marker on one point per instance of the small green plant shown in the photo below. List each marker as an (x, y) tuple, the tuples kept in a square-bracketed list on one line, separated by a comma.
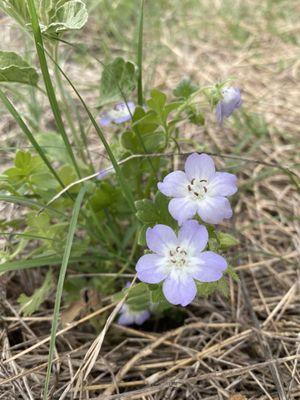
[(134, 200)]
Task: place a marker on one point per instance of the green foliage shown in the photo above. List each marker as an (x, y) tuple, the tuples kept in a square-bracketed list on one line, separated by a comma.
[(151, 213), (55, 16), (185, 89), (14, 68), (31, 304), (118, 80), (66, 15)]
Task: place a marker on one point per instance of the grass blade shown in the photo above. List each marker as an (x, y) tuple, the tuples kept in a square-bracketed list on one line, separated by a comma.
[(140, 55), (47, 80), (126, 189), (10, 107), (60, 284), (46, 261), (27, 202)]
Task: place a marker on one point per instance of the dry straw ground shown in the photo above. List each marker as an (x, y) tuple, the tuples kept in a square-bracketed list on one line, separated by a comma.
[(243, 347)]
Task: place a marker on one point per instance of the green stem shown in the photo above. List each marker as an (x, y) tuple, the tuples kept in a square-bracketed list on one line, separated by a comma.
[(47, 80), (60, 285), (140, 55)]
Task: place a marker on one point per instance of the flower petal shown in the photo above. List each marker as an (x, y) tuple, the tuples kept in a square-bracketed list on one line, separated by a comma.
[(105, 120), (141, 317), (182, 209), (174, 184), (150, 268), (199, 166), (214, 209), (211, 267), (160, 238), (192, 235), (126, 317), (223, 184), (179, 290), (123, 118)]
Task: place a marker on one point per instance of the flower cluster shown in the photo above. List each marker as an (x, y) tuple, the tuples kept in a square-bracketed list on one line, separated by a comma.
[(179, 260)]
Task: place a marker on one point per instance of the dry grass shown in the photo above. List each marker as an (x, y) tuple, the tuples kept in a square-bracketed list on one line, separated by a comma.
[(241, 348)]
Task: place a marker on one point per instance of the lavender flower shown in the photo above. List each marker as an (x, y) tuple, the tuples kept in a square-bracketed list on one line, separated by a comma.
[(179, 261), (120, 113), (104, 173), (199, 190), (231, 101), (129, 317)]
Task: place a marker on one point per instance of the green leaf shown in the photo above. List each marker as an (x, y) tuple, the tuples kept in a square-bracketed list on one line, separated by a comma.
[(231, 272), (226, 240), (139, 297), (14, 69), (70, 15), (157, 101), (185, 88), (118, 79), (152, 213), (30, 304)]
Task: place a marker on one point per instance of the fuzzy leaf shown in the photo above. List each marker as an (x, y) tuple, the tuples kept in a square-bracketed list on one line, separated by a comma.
[(14, 69), (69, 15), (185, 88), (118, 79), (30, 304)]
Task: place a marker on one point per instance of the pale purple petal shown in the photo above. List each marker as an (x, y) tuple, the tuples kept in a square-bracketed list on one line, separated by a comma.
[(219, 115), (214, 209), (180, 291), (223, 184), (211, 267), (125, 318), (199, 166), (230, 102), (105, 120), (182, 209), (174, 184), (104, 173), (192, 235), (122, 119), (161, 238), (150, 268), (142, 317)]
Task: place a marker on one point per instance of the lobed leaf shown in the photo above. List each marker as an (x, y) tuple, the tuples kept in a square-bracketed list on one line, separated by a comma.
[(14, 68)]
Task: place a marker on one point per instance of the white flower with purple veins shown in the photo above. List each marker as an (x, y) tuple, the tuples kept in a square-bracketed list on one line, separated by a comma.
[(179, 261), (231, 101), (120, 113), (129, 317), (199, 190)]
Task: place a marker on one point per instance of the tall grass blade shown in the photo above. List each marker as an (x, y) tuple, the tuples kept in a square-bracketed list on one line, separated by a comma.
[(47, 80), (125, 188), (60, 284), (140, 55)]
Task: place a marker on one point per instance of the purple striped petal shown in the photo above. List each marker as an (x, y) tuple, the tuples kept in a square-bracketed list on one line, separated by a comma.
[(180, 291), (211, 267), (214, 210), (174, 184), (223, 184), (199, 166), (182, 209), (161, 238), (192, 235), (150, 268)]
